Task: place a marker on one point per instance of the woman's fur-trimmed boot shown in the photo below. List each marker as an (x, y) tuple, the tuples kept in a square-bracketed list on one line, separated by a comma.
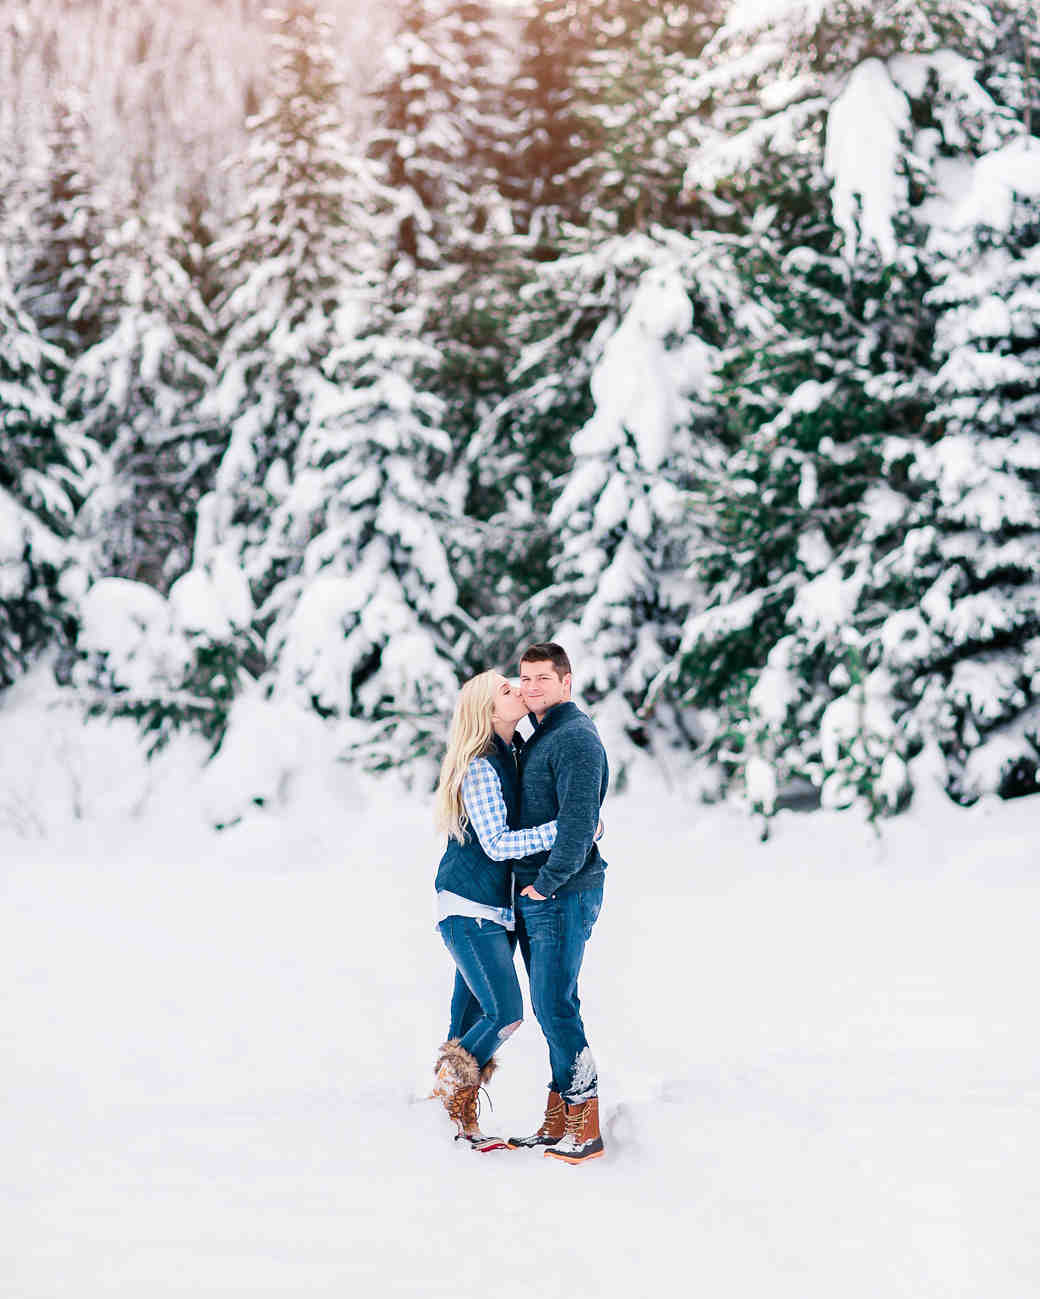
[(581, 1140), (451, 1068), (459, 1079), (552, 1129)]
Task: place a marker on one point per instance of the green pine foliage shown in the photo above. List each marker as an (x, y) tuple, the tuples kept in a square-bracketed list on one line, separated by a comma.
[(785, 499), (41, 471), (963, 577), (820, 499)]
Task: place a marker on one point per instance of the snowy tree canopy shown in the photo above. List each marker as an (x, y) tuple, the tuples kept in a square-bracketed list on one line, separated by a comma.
[(703, 338), (41, 476)]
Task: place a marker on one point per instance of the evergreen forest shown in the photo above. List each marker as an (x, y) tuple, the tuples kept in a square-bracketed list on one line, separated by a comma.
[(345, 351)]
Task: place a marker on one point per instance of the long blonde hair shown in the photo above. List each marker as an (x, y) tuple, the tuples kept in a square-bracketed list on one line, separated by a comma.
[(470, 737)]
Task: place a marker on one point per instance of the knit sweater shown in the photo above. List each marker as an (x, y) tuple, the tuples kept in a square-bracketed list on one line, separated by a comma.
[(563, 778)]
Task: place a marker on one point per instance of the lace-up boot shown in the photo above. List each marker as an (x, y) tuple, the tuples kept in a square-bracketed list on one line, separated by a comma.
[(552, 1129), (458, 1082), (581, 1140)]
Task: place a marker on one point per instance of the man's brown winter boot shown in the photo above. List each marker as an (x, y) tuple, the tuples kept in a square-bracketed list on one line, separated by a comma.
[(581, 1140), (552, 1129)]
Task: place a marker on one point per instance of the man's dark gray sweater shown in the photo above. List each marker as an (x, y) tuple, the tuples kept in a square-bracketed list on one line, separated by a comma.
[(563, 778)]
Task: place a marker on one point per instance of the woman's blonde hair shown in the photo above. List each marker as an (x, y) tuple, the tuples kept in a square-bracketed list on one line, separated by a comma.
[(470, 737)]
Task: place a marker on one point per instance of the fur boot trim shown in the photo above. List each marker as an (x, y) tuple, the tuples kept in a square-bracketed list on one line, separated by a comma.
[(488, 1071), (456, 1066)]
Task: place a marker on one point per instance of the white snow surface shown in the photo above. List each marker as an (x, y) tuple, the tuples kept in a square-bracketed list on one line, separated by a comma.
[(817, 1056)]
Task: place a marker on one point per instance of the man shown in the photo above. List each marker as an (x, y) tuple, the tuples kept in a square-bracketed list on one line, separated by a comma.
[(563, 778)]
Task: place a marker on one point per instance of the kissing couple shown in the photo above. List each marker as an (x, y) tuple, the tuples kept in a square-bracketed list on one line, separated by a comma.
[(521, 866)]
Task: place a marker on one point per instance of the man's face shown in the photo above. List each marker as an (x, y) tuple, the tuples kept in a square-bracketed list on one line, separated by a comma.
[(541, 688)]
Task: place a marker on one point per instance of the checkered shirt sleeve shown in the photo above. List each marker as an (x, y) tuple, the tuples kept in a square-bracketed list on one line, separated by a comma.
[(486, 809)]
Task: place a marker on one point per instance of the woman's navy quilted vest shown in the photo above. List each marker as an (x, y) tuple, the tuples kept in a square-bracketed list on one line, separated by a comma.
[(465, 868)]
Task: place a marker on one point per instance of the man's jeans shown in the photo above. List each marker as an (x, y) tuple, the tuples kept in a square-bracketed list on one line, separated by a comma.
[(552, 936), (486, 1005)]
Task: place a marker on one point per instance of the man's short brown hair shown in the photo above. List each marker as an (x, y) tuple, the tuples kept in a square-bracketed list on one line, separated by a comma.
[(555, 654)]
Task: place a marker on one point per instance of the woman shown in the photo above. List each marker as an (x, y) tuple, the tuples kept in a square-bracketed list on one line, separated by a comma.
[(476, 798)]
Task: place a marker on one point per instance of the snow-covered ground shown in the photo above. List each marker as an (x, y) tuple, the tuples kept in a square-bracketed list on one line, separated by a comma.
[(818, 1056)]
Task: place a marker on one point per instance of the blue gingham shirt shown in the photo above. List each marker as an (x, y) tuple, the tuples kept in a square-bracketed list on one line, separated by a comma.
[(486, 808)]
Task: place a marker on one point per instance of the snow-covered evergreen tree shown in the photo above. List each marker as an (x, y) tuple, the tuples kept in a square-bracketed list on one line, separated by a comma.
[(621, 523), (41, 466), (287, 263), (166, 663), (758, 97), (823, 414), (1008, 71), (326, 495), (438, 136), (932, 677), (67, 230), (364, 620), (136, 393), (808, 405), (514, 324), (962, 644), (509, 471), (148, 385), (436, 131)]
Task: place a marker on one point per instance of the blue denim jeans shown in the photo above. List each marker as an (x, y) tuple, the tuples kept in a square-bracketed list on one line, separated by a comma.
[(486, 1005), (552, 936)]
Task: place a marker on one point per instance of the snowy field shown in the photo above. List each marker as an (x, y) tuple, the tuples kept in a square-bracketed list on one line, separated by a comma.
[(819, 1066)]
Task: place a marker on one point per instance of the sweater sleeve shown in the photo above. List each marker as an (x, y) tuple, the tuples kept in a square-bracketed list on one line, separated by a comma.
[(579, 772), (486, 808)]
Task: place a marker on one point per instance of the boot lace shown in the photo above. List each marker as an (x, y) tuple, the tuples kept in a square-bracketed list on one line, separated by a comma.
[(574, 1123), (464, 1107), (552, 1112)]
